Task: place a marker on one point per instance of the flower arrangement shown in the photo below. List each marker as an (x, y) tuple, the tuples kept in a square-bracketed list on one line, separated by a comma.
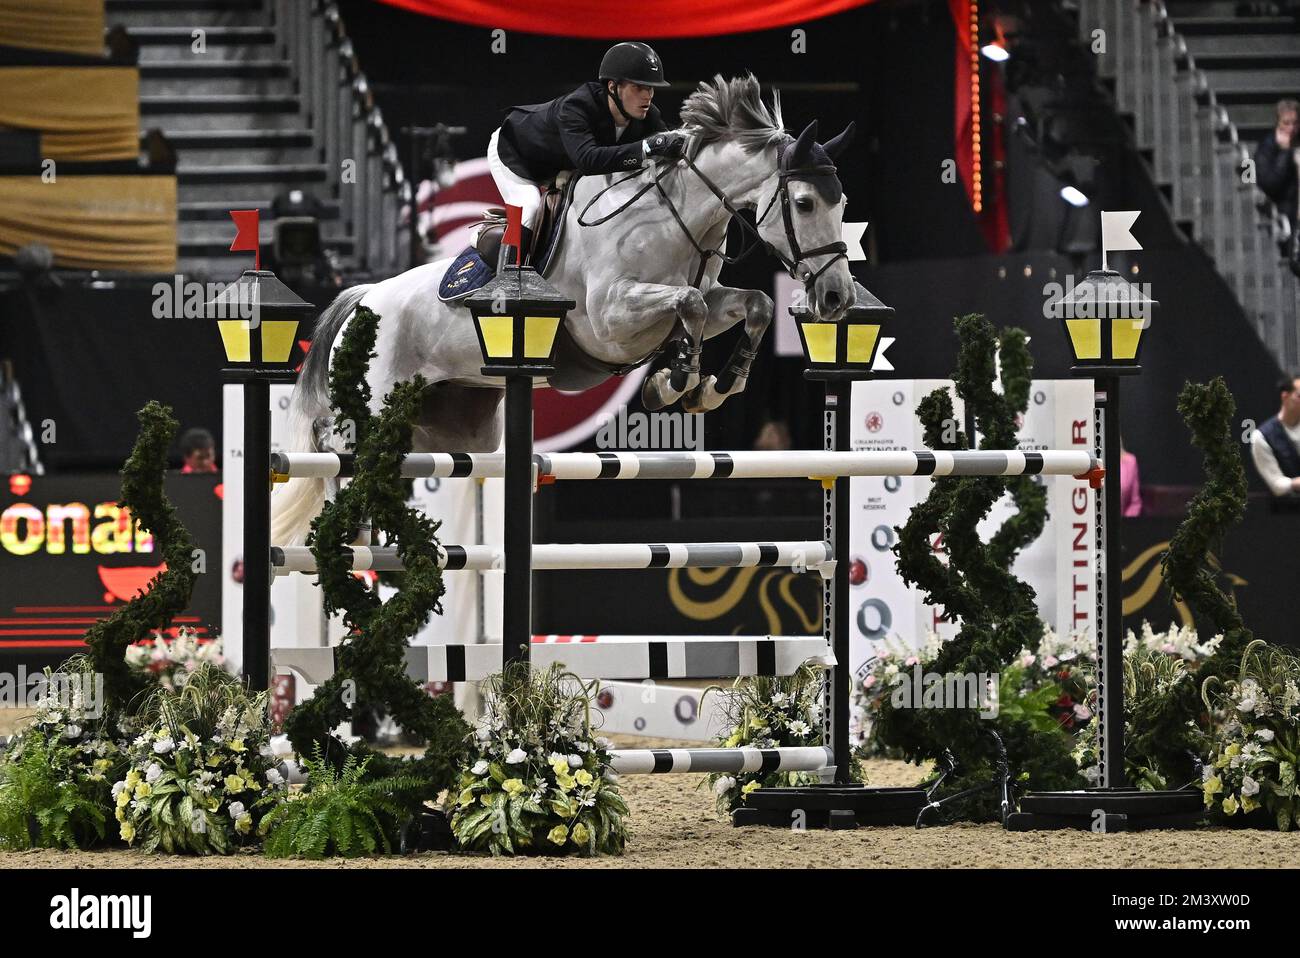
[(339, 812), (1256, 742), (171, 661), (55, 775), (197, 769), (537, 781), (770, 712), (1157, 740)]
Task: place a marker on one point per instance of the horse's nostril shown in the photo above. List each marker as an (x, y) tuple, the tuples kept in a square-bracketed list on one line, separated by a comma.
[(832, 301)]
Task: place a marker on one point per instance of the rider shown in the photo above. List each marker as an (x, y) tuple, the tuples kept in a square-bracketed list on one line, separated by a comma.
[(604, 126)]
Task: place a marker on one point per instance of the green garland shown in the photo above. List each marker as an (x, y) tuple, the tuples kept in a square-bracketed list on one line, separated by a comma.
[(997, 610), (168, 593), (371, 660), (1209, 410), (1164, 728)]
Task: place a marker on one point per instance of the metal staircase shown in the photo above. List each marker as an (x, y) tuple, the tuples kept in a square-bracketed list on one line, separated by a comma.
[(1200, 84), (260, 97)]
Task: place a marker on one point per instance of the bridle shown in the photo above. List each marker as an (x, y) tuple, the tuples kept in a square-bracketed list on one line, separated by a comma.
[(782, 191)]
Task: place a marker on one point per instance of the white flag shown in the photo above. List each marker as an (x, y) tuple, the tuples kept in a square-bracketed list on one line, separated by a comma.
[(851, 233), (1115, 233)]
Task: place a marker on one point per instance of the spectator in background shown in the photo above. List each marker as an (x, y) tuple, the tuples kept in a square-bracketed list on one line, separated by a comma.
[(1275, 446), (199, 451), (1130, 493), (1276, 159)]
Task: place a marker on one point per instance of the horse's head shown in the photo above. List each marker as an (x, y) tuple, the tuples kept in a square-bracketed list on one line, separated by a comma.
[(801, 217)]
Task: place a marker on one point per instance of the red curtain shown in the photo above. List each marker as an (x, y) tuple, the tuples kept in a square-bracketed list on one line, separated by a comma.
[(602, 19)]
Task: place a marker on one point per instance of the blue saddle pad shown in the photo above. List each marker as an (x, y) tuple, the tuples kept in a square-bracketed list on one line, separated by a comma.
[(465, 275)]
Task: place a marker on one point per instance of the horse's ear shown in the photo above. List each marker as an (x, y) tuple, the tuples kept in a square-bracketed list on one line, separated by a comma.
[(801, 151), (836, 145)]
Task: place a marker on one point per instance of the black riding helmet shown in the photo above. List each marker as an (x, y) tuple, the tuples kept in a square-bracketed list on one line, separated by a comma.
[(634, 62)]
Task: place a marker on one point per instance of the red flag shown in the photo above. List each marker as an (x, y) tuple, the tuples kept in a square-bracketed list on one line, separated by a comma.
[(514, 230), (246, 235)]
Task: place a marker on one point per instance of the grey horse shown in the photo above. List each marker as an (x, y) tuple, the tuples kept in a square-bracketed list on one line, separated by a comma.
[(645, 281)]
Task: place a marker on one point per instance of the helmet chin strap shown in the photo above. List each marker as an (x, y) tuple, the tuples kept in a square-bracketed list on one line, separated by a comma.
[(618, 101)]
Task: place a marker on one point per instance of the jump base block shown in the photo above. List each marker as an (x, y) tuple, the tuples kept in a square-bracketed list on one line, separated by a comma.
[(830, 806), (1108, 810)]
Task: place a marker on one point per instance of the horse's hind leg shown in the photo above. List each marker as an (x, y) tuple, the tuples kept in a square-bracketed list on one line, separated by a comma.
[(728, 306)]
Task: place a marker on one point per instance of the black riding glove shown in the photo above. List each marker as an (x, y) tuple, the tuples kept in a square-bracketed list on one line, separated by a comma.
[(668, 145)]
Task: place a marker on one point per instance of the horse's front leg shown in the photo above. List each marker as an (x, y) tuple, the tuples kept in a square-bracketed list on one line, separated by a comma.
[(728, 306), (645, 304)]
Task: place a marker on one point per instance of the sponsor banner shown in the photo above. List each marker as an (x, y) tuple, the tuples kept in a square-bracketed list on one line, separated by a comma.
[(70, 555)]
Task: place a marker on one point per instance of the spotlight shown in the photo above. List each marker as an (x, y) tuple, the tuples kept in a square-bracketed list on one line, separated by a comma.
[(1074, 196), (995, 52)]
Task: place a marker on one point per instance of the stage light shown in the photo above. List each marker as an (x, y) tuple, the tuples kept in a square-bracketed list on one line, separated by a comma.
[(1074, 196), (996, 52)]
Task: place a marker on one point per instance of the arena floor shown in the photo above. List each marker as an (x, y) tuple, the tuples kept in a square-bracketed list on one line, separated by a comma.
[(675, 826)]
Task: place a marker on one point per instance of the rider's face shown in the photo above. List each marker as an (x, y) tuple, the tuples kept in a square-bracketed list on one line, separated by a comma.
[(636, 98)]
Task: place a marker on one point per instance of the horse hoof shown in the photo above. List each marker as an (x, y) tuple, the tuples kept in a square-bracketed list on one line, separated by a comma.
[(704, 397), (657, 393)]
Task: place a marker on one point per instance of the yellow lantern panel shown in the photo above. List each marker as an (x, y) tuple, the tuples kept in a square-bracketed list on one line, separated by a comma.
[(498, 336), (1085, 337), (820, 338), (277, 339), (539, 336), (1125, 335), (236, 340), (861, 342)]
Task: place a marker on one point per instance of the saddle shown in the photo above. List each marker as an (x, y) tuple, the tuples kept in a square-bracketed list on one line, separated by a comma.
[(547, 235)]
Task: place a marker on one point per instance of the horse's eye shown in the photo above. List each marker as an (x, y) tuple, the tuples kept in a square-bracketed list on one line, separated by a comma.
[(803, 205)]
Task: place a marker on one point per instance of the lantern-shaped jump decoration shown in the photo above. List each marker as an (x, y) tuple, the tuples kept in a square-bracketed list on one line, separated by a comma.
[(516, 316), (845, 349), (259, 319), (1104, 318)]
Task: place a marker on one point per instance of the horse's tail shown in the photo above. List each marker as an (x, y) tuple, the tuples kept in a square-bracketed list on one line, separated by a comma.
[(297, 502)]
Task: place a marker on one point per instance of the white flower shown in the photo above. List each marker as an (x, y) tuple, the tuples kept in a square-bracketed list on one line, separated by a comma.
[(604, 743), (1249, 786), (117, 788), (517, 756), (480, 767), (1264, 734), (1082, 712), (71, 731), (582, 747), (723, 785), (1246, 705), (153, 772), (1050, 661), (575, 761), (273, 776), (163, 745), (799, 727), (199, 825), (483, 734)]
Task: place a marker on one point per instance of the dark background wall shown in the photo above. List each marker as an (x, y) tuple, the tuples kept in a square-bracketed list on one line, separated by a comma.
[(91, 357)]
